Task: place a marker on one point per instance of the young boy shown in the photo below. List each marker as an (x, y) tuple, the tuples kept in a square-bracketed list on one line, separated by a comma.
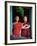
[(17, 28), (26, 28)]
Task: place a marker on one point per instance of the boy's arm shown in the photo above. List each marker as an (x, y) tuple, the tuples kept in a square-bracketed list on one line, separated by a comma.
[(28, 26), (25, 26)]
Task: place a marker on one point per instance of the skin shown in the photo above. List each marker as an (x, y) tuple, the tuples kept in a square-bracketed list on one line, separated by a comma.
[(17, 18), (25, 20)]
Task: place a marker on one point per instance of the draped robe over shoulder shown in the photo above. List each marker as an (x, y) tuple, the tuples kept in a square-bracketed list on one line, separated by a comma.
[(17, 29)]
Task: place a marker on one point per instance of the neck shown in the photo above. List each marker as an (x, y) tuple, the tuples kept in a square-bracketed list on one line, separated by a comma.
[(17, 22), (25, 22)]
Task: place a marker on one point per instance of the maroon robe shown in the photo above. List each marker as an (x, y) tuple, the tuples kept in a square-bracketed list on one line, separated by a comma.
[(26, 32)]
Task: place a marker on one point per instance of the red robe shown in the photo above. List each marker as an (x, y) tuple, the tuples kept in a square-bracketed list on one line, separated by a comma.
[(17, 29)]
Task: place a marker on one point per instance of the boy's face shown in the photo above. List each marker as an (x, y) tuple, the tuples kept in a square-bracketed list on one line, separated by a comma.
[(25, 19), (17, 18)]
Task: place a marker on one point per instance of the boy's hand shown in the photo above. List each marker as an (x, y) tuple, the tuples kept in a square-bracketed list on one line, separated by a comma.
[(27, 26)]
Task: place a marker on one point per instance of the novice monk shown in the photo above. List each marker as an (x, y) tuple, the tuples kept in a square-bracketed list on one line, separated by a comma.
[(17, 28), (26, 28)]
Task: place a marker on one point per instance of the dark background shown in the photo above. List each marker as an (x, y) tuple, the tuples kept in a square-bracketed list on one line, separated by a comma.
[(27, 12)]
